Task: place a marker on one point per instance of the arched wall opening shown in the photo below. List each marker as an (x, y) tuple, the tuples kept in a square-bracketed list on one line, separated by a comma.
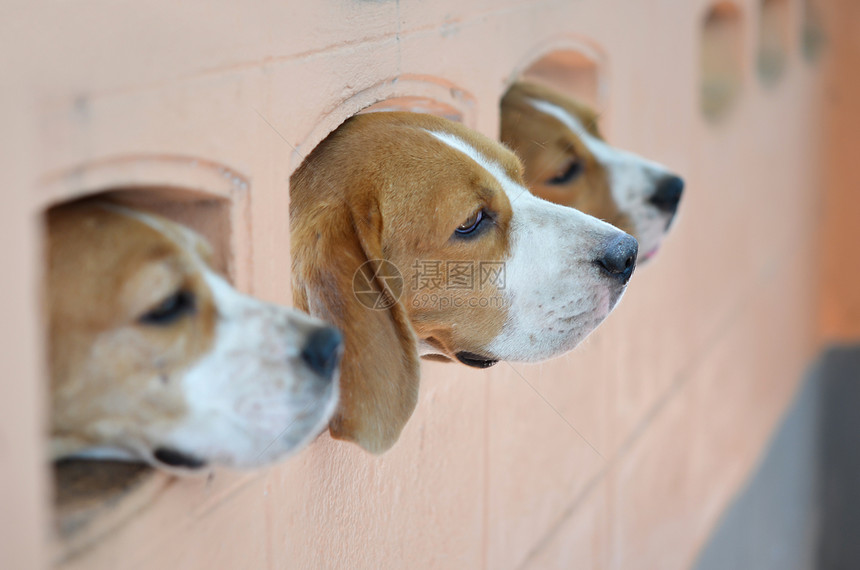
[(721, 60), (93, 498)]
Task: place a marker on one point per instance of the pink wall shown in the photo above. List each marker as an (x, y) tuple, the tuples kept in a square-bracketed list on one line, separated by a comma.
[(619, 455)]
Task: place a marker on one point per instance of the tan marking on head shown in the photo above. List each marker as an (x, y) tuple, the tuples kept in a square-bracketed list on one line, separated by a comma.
[(548, 149), (109, 372), (382, 187)]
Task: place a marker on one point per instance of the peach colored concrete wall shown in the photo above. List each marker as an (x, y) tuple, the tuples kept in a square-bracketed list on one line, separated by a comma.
[(619, 455)]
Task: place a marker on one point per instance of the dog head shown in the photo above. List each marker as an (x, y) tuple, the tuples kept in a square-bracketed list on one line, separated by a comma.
[(154, 356), (568, 163), (465, 264)]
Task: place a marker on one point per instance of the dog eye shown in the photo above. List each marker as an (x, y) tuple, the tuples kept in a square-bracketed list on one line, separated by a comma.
[(170, 309), (471, 224), (573, 170)]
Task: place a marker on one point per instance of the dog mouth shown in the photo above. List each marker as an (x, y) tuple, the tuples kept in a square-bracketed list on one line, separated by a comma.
[(174, 458), (649, 254), (652, 244), (475, 360), (313, 419)]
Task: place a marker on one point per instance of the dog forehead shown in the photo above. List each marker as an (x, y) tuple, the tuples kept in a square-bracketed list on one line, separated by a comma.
[(410, 131), (524, 95), (480, 161), (404, 164), (183, 237), (98, 232), (95, 252)]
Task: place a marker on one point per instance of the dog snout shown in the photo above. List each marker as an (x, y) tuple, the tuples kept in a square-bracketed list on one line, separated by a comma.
[(667, 196), (322, 351), (618, 259)]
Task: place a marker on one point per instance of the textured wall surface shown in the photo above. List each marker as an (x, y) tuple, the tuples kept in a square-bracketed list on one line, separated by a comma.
[(621, 454)]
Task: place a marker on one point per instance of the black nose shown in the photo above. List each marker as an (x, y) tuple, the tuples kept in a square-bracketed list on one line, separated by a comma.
[(321, 351), (668, 193), (619, 257)]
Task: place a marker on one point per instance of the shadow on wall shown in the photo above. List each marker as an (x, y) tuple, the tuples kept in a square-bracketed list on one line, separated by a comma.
[(801, 509)]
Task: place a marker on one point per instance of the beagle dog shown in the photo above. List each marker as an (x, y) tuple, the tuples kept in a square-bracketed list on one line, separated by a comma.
[(465, 264), (567, 162), (155, 357)]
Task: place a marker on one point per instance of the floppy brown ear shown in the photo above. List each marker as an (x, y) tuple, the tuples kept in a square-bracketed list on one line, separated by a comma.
[(380, 368)]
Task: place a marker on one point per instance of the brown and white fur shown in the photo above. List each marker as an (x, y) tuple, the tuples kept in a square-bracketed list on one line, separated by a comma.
[(568, 162), (155, 357), (400, 188)]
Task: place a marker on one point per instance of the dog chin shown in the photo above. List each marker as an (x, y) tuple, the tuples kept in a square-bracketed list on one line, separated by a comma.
[(649, 255), (649, 245), (560, 345), (591, 322), (613, 299), (308, 426), (252, 451)]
